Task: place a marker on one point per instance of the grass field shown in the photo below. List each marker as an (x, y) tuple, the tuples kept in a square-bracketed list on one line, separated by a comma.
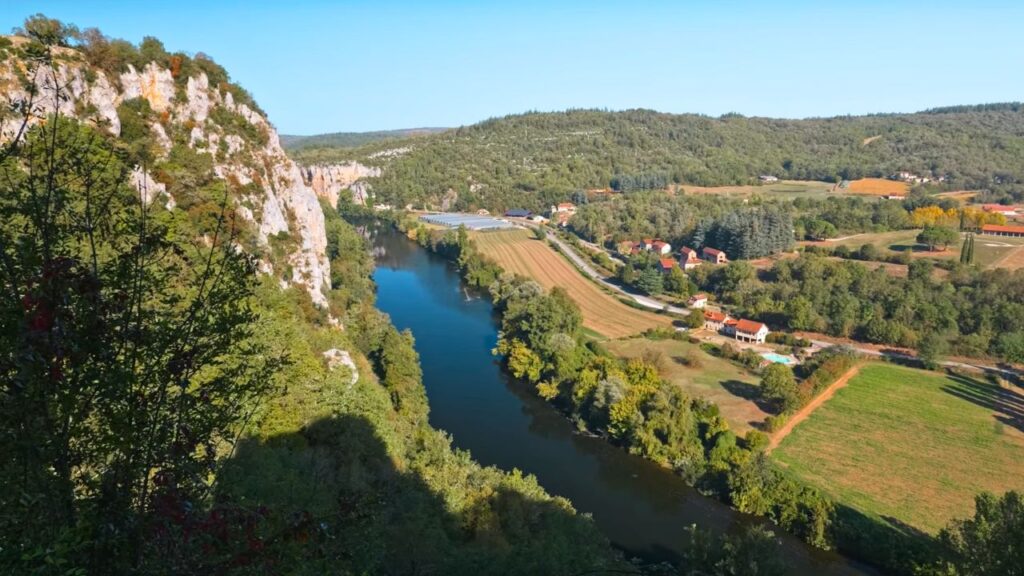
[(517, 251), (912, 446), (989, 251), (790, 188), (727, 385), (877, 187)]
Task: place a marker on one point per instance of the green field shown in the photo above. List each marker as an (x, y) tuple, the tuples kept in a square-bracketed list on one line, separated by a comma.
[(727, 385), (988, 250), (911, 446)]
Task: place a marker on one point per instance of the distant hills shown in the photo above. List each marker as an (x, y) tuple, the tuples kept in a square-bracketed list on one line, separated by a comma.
[(530, 160), (351, 139)]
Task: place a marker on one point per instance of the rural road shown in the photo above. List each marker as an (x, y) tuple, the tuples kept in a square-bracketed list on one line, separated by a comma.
[(647, 302), (589, 271)]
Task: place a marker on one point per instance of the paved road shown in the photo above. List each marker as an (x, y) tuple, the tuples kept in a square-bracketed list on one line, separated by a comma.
[(656, 305), (589, 270)]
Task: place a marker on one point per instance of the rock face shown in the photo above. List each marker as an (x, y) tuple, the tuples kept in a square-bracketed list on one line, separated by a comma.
[(281, 198), (329, 180)]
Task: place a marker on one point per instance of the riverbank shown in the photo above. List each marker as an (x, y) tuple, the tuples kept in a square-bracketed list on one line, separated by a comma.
[(677, 485)]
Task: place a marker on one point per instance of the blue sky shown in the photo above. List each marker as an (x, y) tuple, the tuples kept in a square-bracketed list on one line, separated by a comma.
[(352, 66)]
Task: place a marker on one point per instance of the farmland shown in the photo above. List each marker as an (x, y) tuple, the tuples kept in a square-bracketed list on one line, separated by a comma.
[(989, 251), (732, 388), (517, 251), (877, 187), (783, 188), (911, 445)]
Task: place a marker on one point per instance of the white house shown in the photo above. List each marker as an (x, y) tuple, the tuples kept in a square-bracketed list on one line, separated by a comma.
[(697, 301), (750, 331)]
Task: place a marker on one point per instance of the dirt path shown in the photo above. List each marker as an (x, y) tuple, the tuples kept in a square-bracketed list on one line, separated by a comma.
[(802, 414)]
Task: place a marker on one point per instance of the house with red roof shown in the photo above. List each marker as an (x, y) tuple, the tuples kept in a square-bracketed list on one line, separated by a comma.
[(715, 320), (750, 331), (688, 258), (665, 265), (564, 208), (661, 247), (714, 255), (1001, 230), (697, 301), (1000, 209)]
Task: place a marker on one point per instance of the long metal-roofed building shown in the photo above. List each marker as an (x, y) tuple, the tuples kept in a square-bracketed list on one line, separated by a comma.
[(470, 221)]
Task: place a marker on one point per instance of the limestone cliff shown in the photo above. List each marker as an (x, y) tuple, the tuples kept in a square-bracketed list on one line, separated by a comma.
[(330, 180), (278, 198)]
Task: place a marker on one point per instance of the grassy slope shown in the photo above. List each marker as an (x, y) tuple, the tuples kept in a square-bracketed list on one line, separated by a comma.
[(911, 445), (717, 380)]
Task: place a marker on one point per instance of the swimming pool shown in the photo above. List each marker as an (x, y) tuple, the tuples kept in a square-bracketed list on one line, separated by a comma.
[(778, 358)]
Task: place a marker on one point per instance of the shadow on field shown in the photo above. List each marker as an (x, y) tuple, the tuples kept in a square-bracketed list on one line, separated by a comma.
[(1007, 403), (750, 392), (896, 546)]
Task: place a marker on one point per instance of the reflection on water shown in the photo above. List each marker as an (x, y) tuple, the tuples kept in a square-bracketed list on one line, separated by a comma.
[(641, 507)]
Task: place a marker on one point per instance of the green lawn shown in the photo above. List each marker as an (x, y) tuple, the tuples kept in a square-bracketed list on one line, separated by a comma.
[(911, 445), (727, 385)]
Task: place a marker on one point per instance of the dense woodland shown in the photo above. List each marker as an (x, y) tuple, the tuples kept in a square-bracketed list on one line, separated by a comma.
[(533, 160)]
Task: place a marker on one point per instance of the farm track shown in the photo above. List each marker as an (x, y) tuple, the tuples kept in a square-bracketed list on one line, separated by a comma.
[(516, 252), (805, 412), (1012, 261)]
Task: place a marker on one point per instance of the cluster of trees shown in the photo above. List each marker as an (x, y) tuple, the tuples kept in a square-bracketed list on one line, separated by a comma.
[(749, 233), (629, 403), (112, 56), (971, 312), (531, 160)]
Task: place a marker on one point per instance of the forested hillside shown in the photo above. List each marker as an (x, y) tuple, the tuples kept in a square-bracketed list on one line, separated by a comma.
[(533, 159), (351, 139)]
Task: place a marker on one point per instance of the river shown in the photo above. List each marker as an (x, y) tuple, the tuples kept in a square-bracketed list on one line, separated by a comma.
[(642, 508)]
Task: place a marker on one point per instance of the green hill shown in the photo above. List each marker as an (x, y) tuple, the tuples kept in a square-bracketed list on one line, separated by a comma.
[(351, 139), (532, 159)]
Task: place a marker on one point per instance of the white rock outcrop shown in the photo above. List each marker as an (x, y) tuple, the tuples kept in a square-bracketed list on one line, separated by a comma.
[(337, 358), (286, 202), (329, 180)]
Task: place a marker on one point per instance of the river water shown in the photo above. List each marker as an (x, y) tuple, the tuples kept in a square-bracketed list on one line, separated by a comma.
[(642, 508)]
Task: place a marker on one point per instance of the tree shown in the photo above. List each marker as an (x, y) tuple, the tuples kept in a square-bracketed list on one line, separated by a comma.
[(937, 236), (931, 348), (677, 283), (650, 281), (127, 352), (779, 384), (992, 542)]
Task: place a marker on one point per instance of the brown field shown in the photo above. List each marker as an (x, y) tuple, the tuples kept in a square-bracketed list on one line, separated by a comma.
[(517, 251), (790, 188), (961, 196), (877, 187)]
